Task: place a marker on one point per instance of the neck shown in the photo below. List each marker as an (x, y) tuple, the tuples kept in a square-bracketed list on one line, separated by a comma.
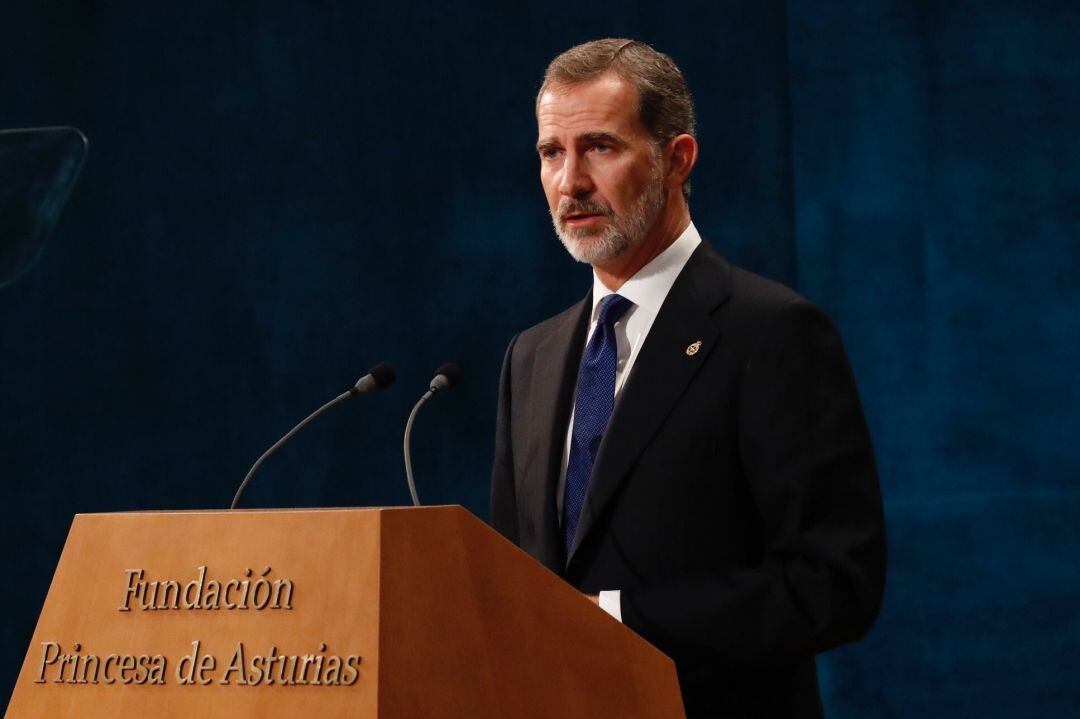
[(667, 228)]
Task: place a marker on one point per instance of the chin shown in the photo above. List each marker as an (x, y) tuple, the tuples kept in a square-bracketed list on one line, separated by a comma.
[(594, 249)]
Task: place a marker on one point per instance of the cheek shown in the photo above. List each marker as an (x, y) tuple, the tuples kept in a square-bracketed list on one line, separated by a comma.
[(626, 188), (617, 182), (550, 182)]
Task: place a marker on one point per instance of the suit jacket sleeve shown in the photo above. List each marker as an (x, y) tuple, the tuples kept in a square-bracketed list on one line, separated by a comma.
[(503, 494), (807, 460)]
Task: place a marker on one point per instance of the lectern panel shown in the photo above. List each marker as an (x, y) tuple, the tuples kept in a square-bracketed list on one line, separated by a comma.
[(215, 614), (392, 613)]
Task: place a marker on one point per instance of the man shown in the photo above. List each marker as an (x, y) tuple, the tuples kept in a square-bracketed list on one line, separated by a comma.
[(685, 445)]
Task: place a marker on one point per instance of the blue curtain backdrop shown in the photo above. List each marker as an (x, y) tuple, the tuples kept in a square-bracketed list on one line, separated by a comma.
[(279, 195)]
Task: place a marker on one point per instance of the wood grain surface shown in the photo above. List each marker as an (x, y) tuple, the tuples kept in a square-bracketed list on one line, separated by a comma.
[(448, 619)]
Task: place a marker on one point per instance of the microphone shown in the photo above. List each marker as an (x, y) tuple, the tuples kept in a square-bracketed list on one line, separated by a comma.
[(378, 377), (446, 378)]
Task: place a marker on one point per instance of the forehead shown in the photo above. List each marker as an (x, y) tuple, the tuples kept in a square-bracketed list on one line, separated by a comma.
[(607, 103)]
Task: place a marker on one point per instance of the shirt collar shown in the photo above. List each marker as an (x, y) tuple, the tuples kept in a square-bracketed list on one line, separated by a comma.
[(649, 286)]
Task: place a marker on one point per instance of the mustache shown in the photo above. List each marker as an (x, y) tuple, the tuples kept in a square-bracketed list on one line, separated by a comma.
[(585, 206)]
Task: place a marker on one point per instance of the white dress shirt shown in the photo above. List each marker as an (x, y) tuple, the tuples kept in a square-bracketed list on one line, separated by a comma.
[(647, 290)]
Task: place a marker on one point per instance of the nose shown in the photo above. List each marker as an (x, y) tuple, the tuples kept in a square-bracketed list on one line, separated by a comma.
[(575, 181)]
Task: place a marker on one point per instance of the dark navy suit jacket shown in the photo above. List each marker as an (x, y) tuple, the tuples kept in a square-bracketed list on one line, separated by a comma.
[(734, 499)]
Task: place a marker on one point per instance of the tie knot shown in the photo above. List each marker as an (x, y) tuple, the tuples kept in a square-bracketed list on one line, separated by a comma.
[(612, 308)]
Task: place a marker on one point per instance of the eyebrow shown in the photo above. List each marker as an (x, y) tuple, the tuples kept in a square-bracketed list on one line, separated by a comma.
[(588, 138), (608, 137), (546, 144)]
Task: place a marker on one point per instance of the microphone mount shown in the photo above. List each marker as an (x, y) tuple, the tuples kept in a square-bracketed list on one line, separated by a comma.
[(378, 377), (446, 378)]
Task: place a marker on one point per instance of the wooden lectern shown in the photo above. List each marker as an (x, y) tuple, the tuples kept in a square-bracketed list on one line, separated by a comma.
[(389, 613)]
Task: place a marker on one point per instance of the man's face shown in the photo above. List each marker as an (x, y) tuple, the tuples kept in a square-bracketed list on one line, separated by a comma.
[(600, 168)]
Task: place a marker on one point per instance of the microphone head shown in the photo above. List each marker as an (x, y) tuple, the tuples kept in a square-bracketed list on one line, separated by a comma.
[(383, 374), (378, 377), (446, 377)]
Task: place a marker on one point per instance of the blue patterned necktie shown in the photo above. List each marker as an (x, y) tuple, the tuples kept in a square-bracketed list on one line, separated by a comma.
[(593, 405)]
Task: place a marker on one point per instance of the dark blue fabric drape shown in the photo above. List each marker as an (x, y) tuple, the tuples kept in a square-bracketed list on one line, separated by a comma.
[(937, 216), (279, 195)]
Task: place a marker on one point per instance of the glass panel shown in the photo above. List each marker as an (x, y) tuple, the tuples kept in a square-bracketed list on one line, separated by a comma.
[(38, 168)]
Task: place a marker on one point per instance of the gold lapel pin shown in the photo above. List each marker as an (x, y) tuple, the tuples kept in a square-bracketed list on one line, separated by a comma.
[(693, 349)]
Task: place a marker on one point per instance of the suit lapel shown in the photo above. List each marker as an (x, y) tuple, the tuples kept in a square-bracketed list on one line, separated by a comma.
[(550, 398), (663, 369)]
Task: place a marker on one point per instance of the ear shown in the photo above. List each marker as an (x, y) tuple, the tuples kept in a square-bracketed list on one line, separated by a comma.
[(682, 152)]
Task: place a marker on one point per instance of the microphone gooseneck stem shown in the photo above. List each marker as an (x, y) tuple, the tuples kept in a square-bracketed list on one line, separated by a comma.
[(408, 457), (251, 472)]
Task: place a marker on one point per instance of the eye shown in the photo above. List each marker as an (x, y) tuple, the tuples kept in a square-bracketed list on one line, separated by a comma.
[(602, 147), (549, 153)]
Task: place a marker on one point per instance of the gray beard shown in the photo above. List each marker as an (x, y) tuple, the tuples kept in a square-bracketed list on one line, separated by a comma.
[(621, 233)]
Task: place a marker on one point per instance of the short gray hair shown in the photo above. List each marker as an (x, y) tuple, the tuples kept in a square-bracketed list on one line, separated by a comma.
[(664, 103)]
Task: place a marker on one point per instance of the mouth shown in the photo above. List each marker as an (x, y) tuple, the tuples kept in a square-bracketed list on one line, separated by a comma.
[(575, 219)]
